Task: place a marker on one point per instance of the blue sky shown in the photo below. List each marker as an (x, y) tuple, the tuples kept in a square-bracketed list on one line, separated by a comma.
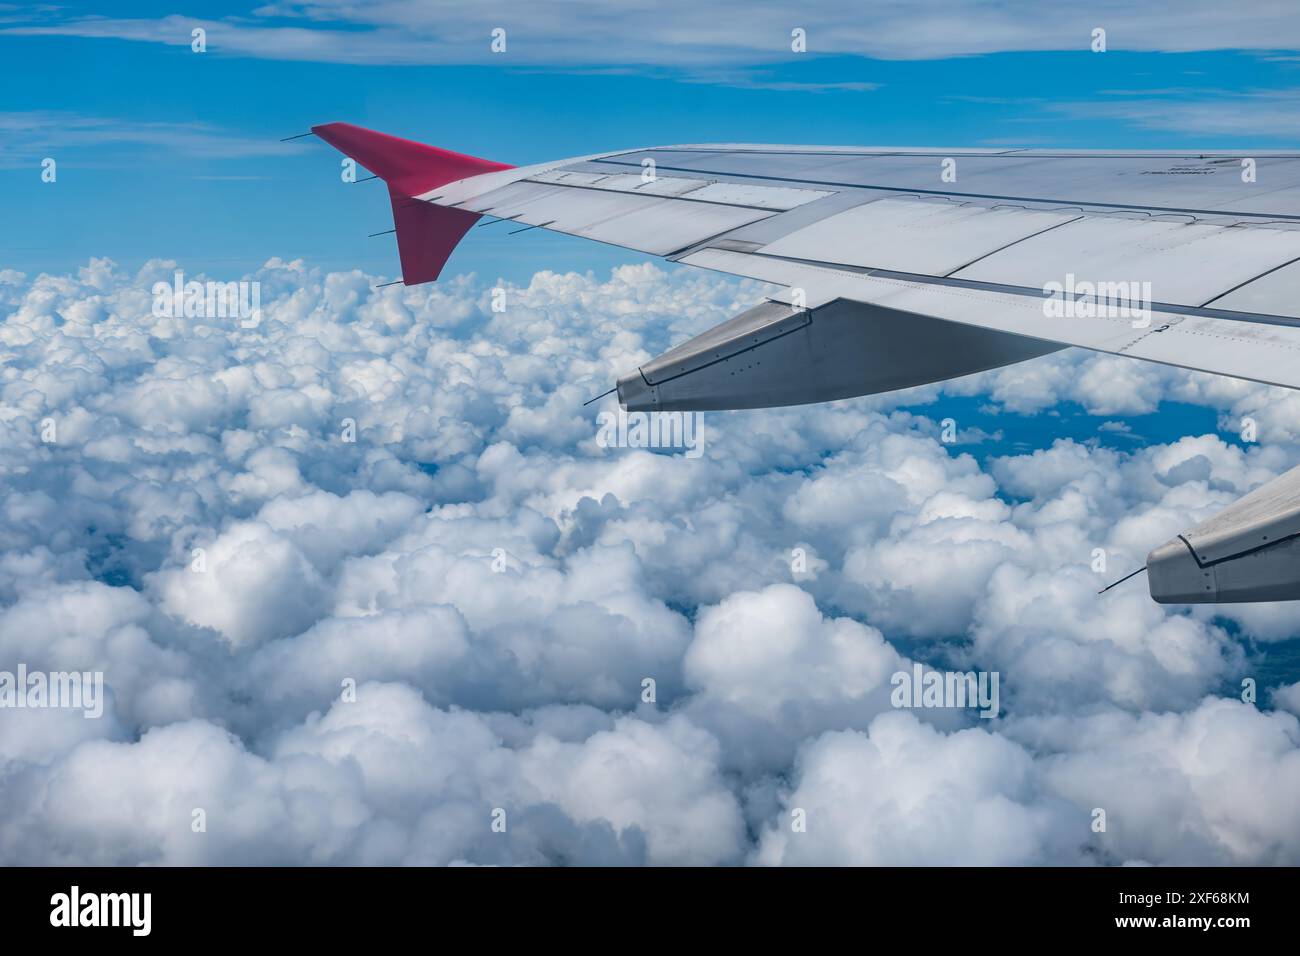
[(163, 152)]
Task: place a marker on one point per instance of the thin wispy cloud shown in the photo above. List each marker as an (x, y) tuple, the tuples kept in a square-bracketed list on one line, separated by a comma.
[(1253, 113), (684, 34), (28, 135)]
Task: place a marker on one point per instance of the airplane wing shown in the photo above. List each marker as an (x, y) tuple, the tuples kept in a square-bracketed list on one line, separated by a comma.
[(907, 266)]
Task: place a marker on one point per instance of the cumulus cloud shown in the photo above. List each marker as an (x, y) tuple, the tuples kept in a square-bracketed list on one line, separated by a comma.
[(1207, 786), (904, 794), (361, 577)]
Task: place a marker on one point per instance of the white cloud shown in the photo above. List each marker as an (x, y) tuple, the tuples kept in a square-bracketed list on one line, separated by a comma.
[(499, 588), (905, 794), (1208, 786)]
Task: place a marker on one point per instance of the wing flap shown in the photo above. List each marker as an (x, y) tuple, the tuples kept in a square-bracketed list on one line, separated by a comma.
[(935, 237), (1274, 293), (1183, 262)]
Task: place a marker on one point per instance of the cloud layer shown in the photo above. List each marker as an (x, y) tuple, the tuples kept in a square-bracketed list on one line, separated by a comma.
[(474, 635)]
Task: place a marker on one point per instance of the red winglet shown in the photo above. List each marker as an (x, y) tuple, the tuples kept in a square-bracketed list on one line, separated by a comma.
[(426, 233)]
